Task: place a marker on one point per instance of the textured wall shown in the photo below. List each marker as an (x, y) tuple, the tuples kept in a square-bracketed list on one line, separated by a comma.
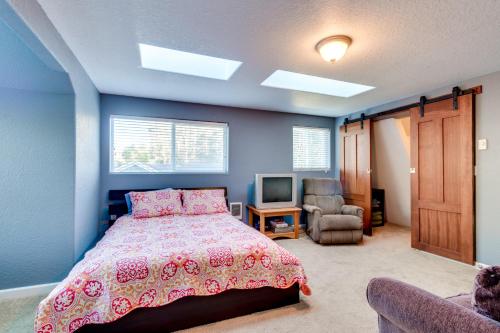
[(259, 141), (37, 163), (487, 161), (86, 122), (36, 178), (87, 167), (49, 173)]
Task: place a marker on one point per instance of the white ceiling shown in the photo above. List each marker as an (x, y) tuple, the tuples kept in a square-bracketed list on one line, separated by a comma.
[(403, 48)]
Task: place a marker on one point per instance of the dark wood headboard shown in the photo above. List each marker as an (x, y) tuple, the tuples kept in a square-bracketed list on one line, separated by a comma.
[(117, 206)]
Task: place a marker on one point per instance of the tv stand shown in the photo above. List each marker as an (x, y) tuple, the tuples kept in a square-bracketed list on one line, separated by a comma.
[(273, 212)]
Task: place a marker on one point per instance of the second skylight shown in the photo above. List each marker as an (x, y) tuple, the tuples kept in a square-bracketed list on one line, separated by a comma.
[(314, 84), (169, 60)]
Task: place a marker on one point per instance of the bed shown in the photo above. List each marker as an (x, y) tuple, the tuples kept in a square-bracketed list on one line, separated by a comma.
[(169, 273)]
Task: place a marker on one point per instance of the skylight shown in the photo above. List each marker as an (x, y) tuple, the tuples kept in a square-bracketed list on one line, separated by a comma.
[(314, 84), (174, 61)]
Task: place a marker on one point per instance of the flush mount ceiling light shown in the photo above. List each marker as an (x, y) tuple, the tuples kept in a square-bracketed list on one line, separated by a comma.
[(175, 61), (333, 48)]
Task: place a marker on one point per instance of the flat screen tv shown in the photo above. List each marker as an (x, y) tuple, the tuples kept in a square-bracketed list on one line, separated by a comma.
[(275, 190)]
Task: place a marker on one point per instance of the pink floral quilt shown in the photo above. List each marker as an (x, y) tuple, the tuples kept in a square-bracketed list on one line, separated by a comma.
[(155, 261)]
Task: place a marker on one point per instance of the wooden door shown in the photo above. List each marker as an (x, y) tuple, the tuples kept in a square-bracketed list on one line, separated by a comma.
[(442, 179), (355, 168)]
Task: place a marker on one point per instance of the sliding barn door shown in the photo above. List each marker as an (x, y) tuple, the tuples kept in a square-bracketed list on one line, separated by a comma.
[(442, 179), (355, 168)]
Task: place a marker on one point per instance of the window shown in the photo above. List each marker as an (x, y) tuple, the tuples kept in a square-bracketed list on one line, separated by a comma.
[(152, 145), (175, 61), (315, 84), (311, 149)]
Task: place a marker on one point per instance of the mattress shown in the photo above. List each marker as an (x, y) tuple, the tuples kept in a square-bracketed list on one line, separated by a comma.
[(155, 261)]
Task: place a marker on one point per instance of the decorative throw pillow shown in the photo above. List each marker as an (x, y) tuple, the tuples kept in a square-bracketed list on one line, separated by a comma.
[(155, 203), (486, 292), (129, 202), (197, 202)]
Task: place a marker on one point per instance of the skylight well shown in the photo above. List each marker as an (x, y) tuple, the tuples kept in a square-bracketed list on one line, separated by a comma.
[(174, 61), (314, 84)]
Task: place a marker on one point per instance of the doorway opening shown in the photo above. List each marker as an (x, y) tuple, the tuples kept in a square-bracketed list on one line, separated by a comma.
[(391, 193)]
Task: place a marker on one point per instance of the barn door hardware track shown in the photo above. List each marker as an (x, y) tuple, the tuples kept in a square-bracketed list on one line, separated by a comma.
[(456, 91)]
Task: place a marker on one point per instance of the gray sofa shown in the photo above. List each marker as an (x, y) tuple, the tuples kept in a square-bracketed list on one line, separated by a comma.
[(405, 308), (329, 219)]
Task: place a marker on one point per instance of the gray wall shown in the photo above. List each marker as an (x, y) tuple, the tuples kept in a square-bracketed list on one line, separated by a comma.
[(49, 171), (37, 159), (36, 178), (86, 123), (487, 161), (259, 141)]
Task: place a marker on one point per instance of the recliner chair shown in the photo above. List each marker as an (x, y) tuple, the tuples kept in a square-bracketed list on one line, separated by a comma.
[(329, 219)]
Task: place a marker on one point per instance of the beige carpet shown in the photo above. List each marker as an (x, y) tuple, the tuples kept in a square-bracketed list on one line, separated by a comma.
[(338, 276)]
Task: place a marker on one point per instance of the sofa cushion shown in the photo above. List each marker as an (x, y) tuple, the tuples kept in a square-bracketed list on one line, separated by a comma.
[(340, 222)]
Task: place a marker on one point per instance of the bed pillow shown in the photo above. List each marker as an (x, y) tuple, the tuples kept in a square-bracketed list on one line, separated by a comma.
[(197, 202), (156, 203), (129, 202)]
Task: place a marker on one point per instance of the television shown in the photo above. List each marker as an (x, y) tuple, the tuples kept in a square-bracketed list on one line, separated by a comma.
[(275, 190)]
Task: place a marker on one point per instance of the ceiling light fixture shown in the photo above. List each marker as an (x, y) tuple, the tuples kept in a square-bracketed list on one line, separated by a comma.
[(333, 48)]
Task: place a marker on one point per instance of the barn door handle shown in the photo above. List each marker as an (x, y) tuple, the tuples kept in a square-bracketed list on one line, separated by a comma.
[(412, 170), (368, 171)]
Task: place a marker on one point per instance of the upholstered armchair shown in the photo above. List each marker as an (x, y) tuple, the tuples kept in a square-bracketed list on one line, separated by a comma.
[(329, 219)]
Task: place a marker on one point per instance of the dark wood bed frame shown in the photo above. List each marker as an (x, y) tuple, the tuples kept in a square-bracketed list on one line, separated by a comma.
[(192, 310)]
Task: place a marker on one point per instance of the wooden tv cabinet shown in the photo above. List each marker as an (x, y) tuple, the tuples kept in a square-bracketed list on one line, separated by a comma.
[(272, 212)]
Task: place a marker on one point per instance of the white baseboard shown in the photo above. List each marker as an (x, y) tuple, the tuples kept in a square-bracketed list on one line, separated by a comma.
[(28, 291)]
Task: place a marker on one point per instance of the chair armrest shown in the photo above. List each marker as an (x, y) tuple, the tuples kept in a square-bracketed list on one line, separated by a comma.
[(352, 210), (311, 208), (415, 310)]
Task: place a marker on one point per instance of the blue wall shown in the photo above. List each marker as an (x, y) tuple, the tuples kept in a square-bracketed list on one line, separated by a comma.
[(259, 141), (49, 172), (37, 164), (86, 122)]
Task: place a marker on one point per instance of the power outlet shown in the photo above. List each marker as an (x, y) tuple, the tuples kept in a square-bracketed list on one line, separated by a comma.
[(482, 144)]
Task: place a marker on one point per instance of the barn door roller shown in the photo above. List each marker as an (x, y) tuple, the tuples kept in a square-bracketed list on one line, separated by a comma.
[(362, 119), (454, 94), (421, 105), (346, 121)]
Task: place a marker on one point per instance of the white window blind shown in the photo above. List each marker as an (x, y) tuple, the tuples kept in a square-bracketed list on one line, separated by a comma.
[(311, 149), (152, 145)]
